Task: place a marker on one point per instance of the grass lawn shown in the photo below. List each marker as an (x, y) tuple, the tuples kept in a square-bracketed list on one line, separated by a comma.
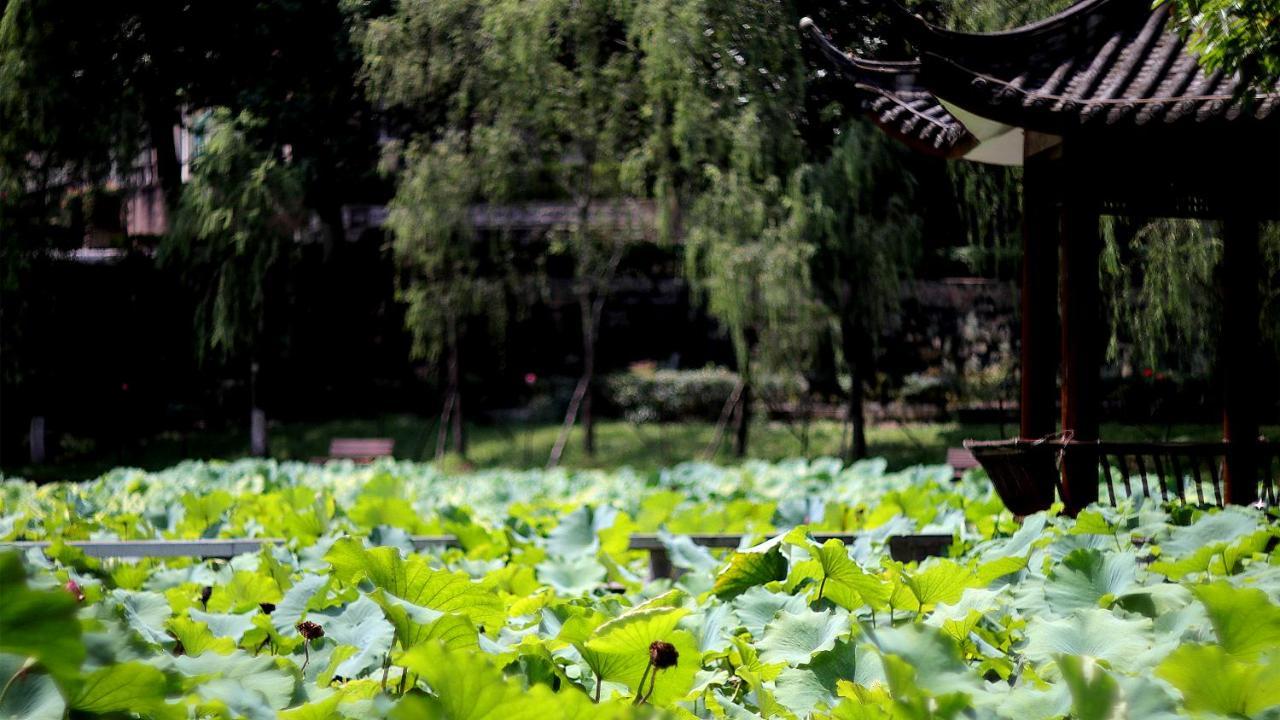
[(618, 443)]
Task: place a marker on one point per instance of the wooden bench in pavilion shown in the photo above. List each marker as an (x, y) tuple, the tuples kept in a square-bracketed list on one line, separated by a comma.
[(1108, 113)]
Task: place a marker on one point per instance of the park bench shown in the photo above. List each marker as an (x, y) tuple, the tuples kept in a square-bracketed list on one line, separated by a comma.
[(903, 548), (960, 460), (1027, 473), (359, 450)]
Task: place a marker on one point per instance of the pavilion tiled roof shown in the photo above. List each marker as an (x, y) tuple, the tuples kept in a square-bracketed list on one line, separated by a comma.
[(1098, 64)]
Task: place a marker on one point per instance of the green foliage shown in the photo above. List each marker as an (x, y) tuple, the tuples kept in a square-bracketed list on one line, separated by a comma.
[(233, 235), (1058, 618), (1234, 37)]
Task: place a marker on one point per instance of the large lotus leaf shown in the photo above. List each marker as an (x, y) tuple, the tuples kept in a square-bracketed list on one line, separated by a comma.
[(146, 613), (619, 651), (576, 575), (31, 695), (226, 625), (360, 625), (196, 638), (262, 675), (246, 591), (843, 581), (1216, 558), (688, 555), (1095, 695), (1222, 526), (240, 701), (38, 623), (1028, 702), (795, 637), (468, 686), (959, 618), (749, 569), (714, 626), (1088, 577), (805, 689), (417, 625), (1019, 544), (126, 687), (576, 533), (1211, 680), (1246, 621), (1094, 632), (413, 579), (291, 609), (1148, 698), (938, 581), (932, 659), (757, 607)]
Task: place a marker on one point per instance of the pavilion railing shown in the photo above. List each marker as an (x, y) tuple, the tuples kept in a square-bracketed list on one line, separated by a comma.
[(1027, 473)]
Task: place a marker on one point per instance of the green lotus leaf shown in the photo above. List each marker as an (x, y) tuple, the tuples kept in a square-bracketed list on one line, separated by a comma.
[(757, 607), (1095, 632), (246, 591), (125, 687), (31, 695), (843, 581), (576, 533), (38, 623), (1221, 526), (1087, 577), (225, 625), (197, 638), (414, 580), (293, 607), (468, 686), (1247, 623), (619, 652), (795, 637), (938, 581), (145, 613), (1095, 695), (416, 625), (575, 575), (688, 555), (921, 658), (749, 569), (802, 690), (360, 625), (261, 675), (1212, 680)]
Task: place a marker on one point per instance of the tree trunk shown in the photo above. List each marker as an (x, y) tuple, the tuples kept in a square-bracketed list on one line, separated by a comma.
[(451, 419), (744, 421), (855, 356), (588, 376), (258, 443), (570, 417)]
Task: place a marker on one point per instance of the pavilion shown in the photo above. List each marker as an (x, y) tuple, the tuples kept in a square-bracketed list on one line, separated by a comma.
[(1107, 112)]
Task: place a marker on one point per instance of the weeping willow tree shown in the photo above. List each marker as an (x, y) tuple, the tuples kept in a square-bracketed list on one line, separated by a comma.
[(724, 81), (1162, 281), (855, 213), (443, 279), (743, 258), (233, 239), (546, 98)]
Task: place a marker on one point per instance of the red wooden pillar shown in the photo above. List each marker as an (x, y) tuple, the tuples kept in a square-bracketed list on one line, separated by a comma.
[(1082, 330), (1238, 358), (1039, 294)]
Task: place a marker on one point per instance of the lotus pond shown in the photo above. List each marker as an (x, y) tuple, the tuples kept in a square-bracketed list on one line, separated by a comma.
[(544, 612)]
